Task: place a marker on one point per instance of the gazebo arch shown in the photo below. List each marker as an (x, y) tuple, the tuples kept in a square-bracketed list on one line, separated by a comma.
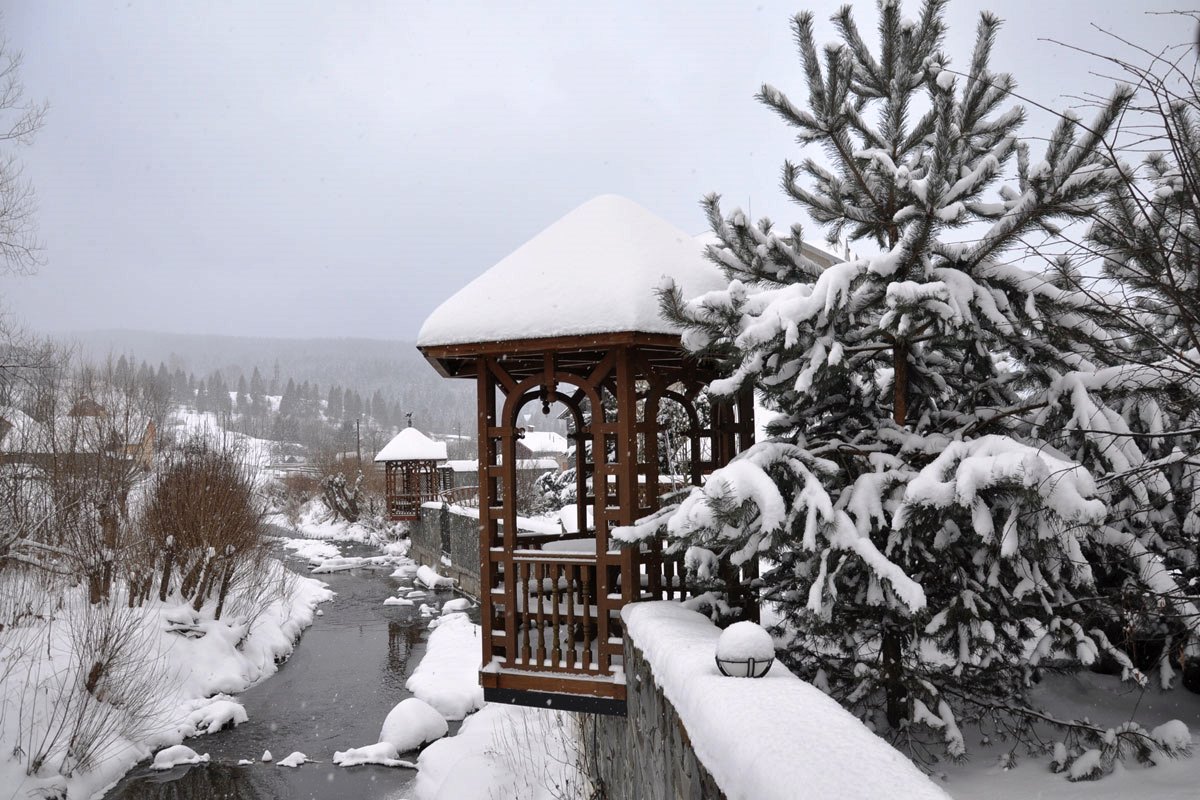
[(589, 337)]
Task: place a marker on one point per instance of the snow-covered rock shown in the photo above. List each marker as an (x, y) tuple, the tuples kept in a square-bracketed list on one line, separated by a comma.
[(267, 757), (217, 714), (412, 723), (176, 755), (382, 753), (397, 601), (405, 571), (294, 759), (457, 605), (428, 577)]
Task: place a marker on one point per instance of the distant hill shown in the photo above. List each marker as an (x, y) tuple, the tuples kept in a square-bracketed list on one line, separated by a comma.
[(394, 368)]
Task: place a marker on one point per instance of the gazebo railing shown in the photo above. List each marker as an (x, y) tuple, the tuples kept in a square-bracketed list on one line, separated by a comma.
[(465, 496), (556, 613)]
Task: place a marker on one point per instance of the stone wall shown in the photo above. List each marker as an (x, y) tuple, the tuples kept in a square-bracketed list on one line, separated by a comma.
[(647, 754), (439, 535)]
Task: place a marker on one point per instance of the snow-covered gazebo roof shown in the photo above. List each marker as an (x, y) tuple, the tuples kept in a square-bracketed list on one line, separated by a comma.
[(412, 445), (593, 271)]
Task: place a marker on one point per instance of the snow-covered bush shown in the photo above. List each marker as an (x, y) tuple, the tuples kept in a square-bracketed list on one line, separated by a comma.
[(928, 546), (553, 490)]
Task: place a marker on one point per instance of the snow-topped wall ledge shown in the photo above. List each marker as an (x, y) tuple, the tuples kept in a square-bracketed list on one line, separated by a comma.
[(693, 733)]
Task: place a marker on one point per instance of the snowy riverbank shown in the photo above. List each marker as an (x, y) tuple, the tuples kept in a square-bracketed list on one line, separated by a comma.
[(179, 671)]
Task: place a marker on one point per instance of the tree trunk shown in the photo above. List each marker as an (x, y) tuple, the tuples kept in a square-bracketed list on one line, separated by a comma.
[(204, 586), (900, 383), (192, 576), (226, 577), (108, 529), (168, 565), (892, 653)]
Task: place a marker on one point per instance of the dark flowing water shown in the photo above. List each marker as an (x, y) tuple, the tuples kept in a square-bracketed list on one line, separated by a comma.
[(332, 694)]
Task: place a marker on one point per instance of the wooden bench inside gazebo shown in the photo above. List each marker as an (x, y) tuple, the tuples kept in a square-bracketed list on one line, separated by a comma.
[(571, 320)]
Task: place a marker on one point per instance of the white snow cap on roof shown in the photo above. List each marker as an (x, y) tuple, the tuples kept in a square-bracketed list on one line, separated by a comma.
[(412, 445), (593, 271), (545, 442)]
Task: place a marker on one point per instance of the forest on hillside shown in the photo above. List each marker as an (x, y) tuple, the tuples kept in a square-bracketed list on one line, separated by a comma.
[(271, 388)]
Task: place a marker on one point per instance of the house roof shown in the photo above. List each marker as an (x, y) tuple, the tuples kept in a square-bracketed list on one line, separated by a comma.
[(19, 432), (412, 445), (545, 442), (593, 271)]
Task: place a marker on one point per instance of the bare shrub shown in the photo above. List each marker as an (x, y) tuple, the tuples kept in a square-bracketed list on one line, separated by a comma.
[(255, 588), (352, 490), (204, 518), (95, 678), (289, 494), (545, 749)]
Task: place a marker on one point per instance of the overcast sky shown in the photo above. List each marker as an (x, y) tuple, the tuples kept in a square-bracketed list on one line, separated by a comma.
[(338, 169)]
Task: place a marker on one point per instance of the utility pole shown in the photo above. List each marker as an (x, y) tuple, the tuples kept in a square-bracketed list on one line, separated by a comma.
[(358, 440)]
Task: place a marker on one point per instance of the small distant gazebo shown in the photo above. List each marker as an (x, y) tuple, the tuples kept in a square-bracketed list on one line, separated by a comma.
[(571, 317), (410, 461)]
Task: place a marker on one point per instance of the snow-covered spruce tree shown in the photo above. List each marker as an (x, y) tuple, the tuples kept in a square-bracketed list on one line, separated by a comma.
[(1145, 435), (927, 551)]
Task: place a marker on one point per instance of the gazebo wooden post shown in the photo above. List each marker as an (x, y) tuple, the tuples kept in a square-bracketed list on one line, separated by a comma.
[(486, 407), (505, 473), (628, 502)]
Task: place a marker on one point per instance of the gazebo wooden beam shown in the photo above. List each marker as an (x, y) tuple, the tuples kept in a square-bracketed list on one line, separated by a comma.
[(457, 360)]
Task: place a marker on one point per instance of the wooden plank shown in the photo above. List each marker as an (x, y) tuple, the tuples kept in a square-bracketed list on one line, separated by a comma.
[(548, 682)]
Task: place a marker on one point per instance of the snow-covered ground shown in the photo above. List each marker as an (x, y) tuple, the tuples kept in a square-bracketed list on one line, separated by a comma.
[(448, 676), (318, 535), (256, 453), (500, 751), (316, 522), (179, 683), (1105, 701)]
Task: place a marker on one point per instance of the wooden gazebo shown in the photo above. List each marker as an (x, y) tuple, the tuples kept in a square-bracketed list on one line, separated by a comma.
[(572, 318), (410, 461)]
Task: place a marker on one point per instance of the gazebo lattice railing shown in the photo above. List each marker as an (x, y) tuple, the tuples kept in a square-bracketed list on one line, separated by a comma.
[(551, 604), (408, 484)]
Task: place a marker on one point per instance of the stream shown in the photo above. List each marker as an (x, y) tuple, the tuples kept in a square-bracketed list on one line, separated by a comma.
[(345, 675)]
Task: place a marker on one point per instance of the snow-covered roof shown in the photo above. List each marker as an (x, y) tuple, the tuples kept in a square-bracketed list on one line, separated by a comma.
[(593, 271), (19, 432), (412, 445), (545, 442)]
